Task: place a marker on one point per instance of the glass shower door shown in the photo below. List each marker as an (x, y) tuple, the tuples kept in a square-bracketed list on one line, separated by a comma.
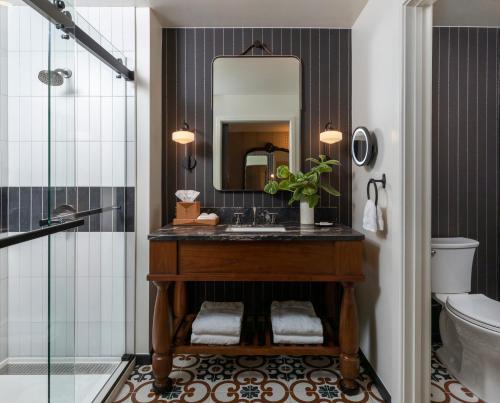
[(61, 199), (64, 148)]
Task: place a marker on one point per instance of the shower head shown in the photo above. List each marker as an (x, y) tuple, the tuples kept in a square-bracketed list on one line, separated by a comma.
[(54, 77)]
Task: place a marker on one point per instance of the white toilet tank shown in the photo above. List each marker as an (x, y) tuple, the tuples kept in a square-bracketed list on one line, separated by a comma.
[(451, 264)]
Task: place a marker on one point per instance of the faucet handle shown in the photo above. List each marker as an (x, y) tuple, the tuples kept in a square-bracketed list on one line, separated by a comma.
[(272, 218), (237, 217)]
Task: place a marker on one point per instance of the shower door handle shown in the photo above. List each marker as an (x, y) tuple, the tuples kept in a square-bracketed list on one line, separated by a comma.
[(39, 233), (72, 214)]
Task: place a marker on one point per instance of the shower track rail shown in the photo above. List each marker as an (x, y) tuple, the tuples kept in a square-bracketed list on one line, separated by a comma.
[(39, 233), (63, 21)]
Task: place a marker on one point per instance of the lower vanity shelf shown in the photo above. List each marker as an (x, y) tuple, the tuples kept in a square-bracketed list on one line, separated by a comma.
[(256, 339)]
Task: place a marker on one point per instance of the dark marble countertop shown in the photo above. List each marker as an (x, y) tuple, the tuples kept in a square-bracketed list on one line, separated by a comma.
[(294, 232)]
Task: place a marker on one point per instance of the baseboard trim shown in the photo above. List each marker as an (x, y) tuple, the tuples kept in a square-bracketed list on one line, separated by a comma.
[(143, 359), (384, 393)]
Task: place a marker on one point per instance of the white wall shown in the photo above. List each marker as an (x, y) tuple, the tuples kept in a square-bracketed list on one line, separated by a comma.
[(376, 104), (3, 176), (148, 211)]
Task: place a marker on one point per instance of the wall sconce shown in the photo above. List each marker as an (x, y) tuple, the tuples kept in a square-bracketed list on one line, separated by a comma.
[(329, 135), (185, 136)]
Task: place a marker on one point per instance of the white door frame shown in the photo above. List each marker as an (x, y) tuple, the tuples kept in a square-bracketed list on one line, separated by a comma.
[(417, 124)]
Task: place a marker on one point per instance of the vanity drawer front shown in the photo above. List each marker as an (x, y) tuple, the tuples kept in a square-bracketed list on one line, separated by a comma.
[(271, 258), (163, 257)]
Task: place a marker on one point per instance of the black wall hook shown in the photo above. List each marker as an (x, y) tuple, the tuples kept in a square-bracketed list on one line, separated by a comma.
[(257, 45), (374, 182)]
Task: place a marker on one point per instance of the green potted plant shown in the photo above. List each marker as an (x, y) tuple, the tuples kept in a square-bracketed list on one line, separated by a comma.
[(305, 187)]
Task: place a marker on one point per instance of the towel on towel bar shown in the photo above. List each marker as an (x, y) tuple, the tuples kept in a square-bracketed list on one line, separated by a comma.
[(214, 339), (296, 339), (372, 217), (295, 318), (219, 318)]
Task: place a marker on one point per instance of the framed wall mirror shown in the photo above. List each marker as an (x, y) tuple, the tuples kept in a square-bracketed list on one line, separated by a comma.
[(256, 103)]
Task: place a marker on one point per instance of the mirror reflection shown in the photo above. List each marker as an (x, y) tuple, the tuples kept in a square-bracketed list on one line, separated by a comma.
[(251, 153)]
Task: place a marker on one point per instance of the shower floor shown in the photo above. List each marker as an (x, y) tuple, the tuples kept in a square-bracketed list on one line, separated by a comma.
[(20, 383)]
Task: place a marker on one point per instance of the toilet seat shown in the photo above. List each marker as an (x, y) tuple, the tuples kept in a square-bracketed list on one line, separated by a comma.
[(477, 309)]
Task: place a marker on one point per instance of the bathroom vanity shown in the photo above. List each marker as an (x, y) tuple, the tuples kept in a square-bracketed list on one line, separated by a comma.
[(179, 255)]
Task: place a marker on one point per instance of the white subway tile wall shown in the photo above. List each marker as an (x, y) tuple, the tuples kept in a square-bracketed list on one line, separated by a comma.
[(93, 148), (4, 178)]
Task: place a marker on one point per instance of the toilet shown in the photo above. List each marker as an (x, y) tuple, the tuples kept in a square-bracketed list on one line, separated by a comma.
[(469, 324)]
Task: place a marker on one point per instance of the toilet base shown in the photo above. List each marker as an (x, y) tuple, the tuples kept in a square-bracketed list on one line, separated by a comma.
[(471, 354)]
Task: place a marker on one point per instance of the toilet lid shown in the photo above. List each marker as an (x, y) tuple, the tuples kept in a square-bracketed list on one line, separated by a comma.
[(477, 309)]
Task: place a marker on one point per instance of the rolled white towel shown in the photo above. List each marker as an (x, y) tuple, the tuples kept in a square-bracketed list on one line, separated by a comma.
[(296, 339), (205, 216), (295, 318), (214, 339), (219, 318)]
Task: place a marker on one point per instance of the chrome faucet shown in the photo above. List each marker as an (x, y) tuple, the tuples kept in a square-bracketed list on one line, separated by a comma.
[(254, 209)]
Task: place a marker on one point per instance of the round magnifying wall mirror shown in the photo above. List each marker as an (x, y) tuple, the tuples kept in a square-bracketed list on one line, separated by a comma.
[(362, 146)]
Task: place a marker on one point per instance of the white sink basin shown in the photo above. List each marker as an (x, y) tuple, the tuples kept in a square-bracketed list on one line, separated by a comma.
[(277, 228)]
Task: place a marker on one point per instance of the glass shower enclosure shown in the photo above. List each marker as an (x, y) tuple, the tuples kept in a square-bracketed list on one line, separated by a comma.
[(66, 221)]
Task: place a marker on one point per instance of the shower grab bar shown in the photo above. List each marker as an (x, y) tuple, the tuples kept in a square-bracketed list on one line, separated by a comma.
[(60, 218), (63, 20), (39, 233)]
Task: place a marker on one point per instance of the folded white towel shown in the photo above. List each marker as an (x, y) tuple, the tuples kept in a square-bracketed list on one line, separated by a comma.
[(296, 339), (214, 339), (219, 318), (295, 318)]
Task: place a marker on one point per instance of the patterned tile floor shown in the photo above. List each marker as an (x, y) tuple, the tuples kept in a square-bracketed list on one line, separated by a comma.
[(445, 388), (278, 379)]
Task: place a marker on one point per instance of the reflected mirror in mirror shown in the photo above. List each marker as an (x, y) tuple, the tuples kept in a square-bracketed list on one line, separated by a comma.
[(256, 104), (252, 151)]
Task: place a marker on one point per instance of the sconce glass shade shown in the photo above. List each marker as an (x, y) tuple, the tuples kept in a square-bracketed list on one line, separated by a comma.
[(329, 135), (184, 135)]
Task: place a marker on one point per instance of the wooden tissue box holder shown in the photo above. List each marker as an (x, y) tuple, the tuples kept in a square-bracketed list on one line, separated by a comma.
[(187, 213), (187, 210)]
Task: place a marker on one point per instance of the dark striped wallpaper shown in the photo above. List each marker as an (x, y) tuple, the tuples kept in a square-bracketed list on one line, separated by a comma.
[(325, 55), (326, 69), (465, 192)]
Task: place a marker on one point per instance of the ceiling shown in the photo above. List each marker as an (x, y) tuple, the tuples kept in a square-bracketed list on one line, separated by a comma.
[(476, 13), (247, 13)]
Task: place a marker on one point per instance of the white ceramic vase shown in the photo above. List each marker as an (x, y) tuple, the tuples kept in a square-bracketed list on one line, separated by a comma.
[(306, 213)]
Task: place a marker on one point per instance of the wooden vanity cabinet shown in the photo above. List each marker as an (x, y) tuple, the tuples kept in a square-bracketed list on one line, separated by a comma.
[(173, 263)]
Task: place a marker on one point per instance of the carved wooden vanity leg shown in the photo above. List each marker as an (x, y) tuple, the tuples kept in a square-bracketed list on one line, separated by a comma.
[(162, 339), (349, 341)]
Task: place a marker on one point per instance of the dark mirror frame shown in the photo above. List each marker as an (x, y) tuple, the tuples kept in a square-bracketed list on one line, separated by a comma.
[(371, 147)]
